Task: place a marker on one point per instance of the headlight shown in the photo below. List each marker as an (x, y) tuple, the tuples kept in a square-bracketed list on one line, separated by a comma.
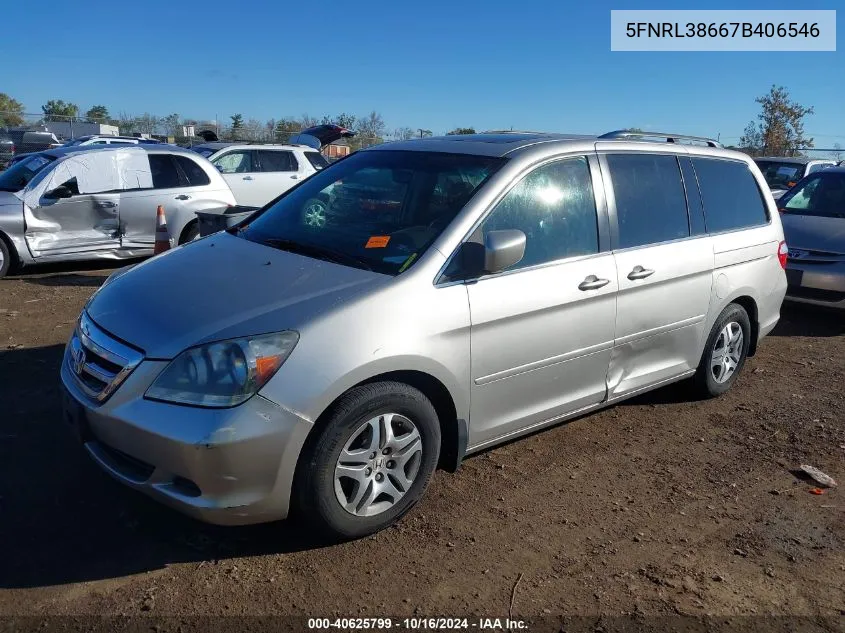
[(223, 374)]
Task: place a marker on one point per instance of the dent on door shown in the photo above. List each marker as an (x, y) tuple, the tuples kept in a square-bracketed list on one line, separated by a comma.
[(90, 218)]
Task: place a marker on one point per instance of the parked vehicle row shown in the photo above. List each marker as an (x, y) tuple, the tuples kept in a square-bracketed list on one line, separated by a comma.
[(259, 173), (495, 285)]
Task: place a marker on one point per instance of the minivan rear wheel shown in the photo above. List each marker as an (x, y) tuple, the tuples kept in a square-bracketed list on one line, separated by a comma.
[(370, 462), (725, 352)]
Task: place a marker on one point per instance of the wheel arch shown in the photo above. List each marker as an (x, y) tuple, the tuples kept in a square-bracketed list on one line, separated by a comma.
[(750, 306), (453, 430)]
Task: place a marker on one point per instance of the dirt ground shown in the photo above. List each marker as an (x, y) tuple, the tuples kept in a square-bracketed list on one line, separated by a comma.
[(658, 507)]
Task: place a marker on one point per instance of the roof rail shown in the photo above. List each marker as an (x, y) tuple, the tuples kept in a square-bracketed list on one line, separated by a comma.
[(670, 138)]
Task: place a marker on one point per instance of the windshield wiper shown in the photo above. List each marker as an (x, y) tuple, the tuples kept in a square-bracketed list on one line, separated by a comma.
[(319, 252)]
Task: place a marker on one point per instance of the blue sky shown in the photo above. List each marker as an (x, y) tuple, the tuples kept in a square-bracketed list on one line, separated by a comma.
[(433, 64)]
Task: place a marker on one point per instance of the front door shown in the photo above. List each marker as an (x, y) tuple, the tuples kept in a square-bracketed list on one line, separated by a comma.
[(664, 265), (240, 171), (81, 223), (542, 331)]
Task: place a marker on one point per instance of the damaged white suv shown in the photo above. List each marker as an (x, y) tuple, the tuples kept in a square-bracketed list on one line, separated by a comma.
[(76, 203)]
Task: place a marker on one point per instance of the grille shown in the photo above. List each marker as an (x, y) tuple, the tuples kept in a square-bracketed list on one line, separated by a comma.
[(98, 362)]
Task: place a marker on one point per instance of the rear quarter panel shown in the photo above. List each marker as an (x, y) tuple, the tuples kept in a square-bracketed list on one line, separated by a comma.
[(746, 263)]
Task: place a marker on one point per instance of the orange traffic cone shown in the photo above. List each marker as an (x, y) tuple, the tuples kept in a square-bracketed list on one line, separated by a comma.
[(162, 234)]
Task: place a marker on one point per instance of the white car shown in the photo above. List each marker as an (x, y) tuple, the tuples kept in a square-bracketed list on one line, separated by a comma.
[(105, 139), (259, 173)]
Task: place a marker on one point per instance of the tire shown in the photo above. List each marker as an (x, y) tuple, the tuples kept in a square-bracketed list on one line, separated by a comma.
[(6, 257), (710, 378), (190, 233), (354, 426)]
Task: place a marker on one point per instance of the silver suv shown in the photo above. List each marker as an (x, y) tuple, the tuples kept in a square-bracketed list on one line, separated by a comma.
[(500, 284)]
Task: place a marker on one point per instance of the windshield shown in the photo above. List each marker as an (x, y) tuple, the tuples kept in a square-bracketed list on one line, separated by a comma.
[(822, 194), (18, 175), (378, 210), (780, 175)]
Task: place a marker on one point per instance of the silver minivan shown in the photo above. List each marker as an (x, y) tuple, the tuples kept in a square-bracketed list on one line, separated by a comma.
[(463, 291)]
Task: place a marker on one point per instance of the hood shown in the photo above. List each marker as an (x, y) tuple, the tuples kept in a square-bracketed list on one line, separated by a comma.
[(218, 288), (320, 135), (777, 193), (814, 233)]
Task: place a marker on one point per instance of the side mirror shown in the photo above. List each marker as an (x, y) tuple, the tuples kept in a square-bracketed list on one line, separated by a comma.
[(59, 192), (218, 167), (503, 249)]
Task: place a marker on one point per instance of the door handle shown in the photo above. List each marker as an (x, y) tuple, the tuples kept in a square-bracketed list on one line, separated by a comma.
[(247, 177), (294, 177), (640, 273), (107, 204), (183, 196), (591, 282)]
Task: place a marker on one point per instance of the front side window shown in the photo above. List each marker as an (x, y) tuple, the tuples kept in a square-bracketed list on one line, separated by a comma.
[(821, 194), (272, 161), (732, 199), (554, 206), (376, 210), (650, 202), (165, 174), (236, 162), (194, 173)]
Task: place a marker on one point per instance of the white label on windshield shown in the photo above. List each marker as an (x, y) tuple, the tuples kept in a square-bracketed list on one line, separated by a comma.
[(786, 171)]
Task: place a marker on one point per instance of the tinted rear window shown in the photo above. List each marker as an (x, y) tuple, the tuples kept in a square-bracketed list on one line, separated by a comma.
[(317, 160), (650, 203), (165, 175), (194, 173), (779, 174), (274, 160), (730, 194)]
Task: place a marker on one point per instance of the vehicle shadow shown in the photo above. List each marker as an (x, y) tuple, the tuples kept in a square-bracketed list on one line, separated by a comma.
[(70, 273), (807, 320), (66, 521)]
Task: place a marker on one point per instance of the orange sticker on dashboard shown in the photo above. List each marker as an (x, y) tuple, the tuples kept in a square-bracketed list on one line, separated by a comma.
[(377, 241)]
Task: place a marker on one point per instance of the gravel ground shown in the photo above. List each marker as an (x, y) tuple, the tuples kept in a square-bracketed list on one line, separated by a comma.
[(657, 507)]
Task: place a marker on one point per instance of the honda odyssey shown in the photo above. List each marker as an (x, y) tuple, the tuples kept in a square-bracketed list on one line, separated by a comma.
[(500, 284)]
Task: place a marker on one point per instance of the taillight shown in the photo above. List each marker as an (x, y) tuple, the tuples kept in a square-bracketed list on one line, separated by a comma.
[(783, 252)]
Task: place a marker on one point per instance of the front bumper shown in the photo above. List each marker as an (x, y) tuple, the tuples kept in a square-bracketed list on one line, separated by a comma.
[(814, 283), (225, 466)]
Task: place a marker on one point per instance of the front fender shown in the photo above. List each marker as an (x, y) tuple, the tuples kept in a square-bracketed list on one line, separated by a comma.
[(13, 227)]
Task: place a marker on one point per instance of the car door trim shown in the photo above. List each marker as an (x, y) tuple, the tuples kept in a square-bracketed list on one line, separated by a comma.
[(662, 329), (543, 363)]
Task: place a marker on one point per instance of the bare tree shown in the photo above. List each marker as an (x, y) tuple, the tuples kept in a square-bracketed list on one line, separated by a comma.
[(308, 121), (779, 130), (403, 133), (837, 151), (371, 126)]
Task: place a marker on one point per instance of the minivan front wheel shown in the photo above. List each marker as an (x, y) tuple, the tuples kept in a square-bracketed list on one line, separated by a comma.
[(725, 352), (370, 462)]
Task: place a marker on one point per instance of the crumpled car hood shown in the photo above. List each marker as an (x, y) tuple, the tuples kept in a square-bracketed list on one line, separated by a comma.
[(218, 288)]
